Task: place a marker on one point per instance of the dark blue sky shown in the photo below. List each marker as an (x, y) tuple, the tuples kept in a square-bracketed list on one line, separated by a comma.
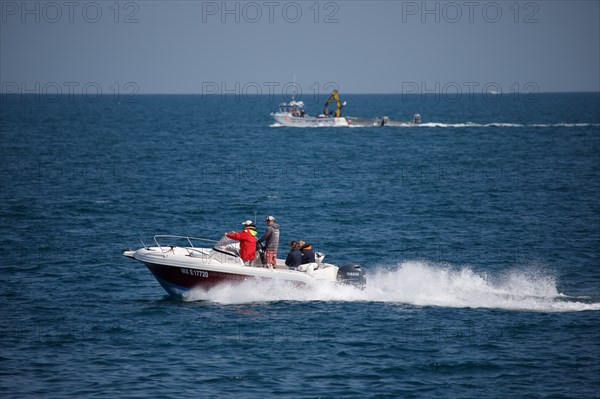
[(258, 47)]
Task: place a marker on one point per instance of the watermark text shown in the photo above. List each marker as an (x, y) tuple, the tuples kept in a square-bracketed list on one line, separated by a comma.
[(57, 91), (253, 12), (470, 11), (69, 11)]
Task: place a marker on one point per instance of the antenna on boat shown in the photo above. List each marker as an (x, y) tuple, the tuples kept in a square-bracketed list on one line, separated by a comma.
[(255, 217), (294, 92)]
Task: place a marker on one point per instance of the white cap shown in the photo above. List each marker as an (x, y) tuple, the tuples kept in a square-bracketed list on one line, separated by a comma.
[(248, 223)]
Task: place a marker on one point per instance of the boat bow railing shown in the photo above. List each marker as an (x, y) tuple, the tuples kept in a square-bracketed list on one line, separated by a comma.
[(190, 241)]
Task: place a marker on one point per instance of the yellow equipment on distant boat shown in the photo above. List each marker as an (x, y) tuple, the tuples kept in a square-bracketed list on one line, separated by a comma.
[(334, 96)]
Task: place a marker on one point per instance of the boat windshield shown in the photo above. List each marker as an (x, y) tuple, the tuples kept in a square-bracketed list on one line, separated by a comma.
[(228, 246), (296, 108)]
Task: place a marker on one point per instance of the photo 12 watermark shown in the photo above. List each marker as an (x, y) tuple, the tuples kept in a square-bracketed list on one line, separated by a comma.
[(260, 332), (41, 334), (15, 171), (252, 12), (268, 172), (462, 332), (254, 91), (452, 12), (454, 92), (70, 91), (467, 253), (432, 172), (52, 12)]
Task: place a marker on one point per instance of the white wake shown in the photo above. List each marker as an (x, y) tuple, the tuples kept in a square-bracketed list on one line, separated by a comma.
[(459, 125), (419, 284)]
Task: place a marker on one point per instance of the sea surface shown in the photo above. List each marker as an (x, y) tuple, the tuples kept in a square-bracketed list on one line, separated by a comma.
[(479, 231)]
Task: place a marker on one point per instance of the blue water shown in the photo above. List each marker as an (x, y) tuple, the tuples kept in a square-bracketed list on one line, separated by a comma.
[(480, 233)]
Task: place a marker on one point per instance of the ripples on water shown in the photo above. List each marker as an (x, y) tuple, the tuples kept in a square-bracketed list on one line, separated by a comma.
[(478, 230)]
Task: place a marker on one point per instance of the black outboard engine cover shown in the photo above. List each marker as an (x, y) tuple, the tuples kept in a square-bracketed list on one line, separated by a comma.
[(352, 274)]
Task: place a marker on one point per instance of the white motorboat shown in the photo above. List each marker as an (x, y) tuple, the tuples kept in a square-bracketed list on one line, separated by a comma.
[(294, 114), (288, 115), (183, 267)]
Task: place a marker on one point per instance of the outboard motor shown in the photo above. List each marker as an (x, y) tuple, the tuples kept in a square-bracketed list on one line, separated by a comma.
[(260, 257), (319, 256), (352, 274)]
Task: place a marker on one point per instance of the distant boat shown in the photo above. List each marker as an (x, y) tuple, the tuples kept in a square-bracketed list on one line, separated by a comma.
[(293, 114)]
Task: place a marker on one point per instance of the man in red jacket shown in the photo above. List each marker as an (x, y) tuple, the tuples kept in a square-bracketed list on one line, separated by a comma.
[(247, 239)]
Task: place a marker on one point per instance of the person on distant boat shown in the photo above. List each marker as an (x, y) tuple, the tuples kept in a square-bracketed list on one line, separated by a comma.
[(247, 239), (271, 239), (294, 257), (308, 255)]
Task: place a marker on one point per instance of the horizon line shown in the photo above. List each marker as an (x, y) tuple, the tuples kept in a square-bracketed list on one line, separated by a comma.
[(273, 95)]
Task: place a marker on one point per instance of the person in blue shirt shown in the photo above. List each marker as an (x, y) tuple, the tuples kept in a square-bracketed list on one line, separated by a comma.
[(308, 255), (294, 257)]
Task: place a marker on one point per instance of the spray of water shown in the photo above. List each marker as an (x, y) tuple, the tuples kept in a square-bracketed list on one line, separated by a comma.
[(461, 125), (419, 284)]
